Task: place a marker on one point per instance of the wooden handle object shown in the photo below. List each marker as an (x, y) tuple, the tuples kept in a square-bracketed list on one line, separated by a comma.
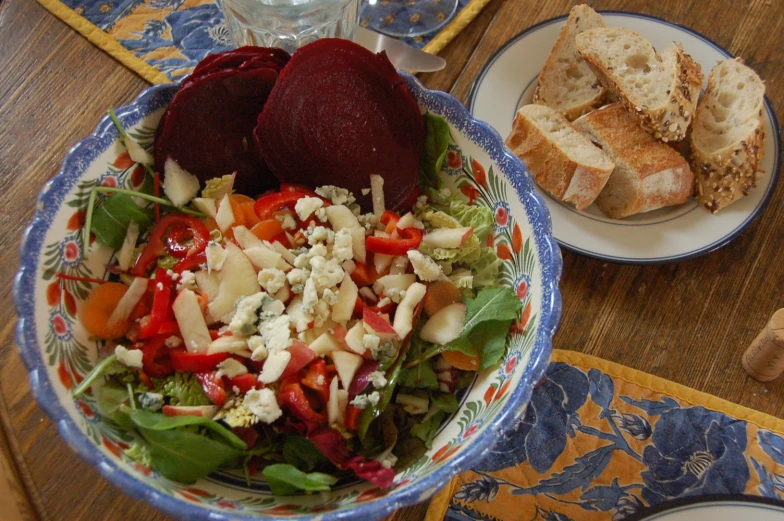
[(764, 359)]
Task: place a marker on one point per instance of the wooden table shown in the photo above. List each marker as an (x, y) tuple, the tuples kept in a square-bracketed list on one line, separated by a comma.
[(688, 322)]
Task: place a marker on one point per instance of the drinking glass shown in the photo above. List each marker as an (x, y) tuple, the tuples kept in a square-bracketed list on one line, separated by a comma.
[(289, 24), (407, 18)]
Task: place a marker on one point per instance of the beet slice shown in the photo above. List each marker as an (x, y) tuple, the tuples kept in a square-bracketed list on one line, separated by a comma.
[(239, 59), (339, 113), (208, 127)]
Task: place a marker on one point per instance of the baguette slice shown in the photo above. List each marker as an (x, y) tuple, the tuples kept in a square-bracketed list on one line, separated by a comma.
[(660, 91), (728, 135), (566, 83), (563, 161), (648, 174)]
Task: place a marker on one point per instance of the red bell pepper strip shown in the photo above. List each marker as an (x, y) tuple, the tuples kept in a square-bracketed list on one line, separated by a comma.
[(190, 263), (352, 417), (292, 397), (362, 275), (155, 357), (177, 240), (266, 206), (170, 327), (316, 378), (212, 386), (244, 382), (283, 239), (156, 245), (287, 187), (161, 305), (410, 239), (390, 218), (183, 360)]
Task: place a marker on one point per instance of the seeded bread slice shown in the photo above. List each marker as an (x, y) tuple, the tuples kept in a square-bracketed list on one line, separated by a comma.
[(648, 174), (660, 91), (563, 161), (566, 83), (727, 135)]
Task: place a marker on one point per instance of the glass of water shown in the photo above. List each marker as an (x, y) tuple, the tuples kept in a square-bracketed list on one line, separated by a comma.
[(289, 24)]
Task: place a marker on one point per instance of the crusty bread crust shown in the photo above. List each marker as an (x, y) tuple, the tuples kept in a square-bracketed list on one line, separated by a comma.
[(562, 82), (565, 178), (648, 174), (668, 121), (730, 171)]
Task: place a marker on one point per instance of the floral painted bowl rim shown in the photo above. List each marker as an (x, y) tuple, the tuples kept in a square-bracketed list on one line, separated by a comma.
[(83, 153)]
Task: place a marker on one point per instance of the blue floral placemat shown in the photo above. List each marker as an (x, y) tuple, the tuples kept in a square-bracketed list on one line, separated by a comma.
[(163, 40), (601, 441)]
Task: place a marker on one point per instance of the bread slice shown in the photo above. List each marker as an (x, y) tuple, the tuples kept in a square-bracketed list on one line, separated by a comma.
[(660, 91), (566, 83), (648, 174), (727, 135), (563, 161)]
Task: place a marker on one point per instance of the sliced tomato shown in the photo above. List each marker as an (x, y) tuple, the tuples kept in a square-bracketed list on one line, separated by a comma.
[(213, 387), (185, 361)]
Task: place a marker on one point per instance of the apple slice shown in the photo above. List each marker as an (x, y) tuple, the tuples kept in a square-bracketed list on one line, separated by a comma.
[(339, 332), (412, 404), (445, 325), (404, 315), (343, 308), (324, 344), (228, 344), (336, 406), (179, 185), (244, 237), (376, 324), (206, 206), (358, 244), (354, 338), (225, 216), (409, 221), (262, 257), (191, 322), (203, 411), (347, 364), (447, 237), (301, 355), (239, 279), (382, 262), (397, 282), (340, 216)]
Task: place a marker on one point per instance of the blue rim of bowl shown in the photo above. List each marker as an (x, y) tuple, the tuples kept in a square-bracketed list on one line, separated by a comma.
[(777, 147), (77, 161)]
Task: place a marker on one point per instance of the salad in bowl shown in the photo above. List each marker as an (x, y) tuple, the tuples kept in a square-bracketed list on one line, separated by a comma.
[(344, 331)]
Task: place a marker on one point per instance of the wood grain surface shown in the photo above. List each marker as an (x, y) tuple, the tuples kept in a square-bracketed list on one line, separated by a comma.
[(688, 322)]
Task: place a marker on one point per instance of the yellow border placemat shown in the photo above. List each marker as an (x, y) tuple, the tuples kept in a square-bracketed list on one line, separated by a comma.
[(104, 41), (475, 490)]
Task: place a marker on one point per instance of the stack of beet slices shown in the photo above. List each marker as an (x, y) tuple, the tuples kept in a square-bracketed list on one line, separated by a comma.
[(331, 115), (208, 127)]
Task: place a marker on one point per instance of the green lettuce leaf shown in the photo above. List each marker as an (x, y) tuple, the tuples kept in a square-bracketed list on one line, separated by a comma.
[(111, 219), (436, 146), (479, 217), (494, 309), (486, 268), (284, 479)]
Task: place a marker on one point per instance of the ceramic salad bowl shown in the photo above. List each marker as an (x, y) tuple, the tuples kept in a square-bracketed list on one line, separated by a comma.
[(58, 352)]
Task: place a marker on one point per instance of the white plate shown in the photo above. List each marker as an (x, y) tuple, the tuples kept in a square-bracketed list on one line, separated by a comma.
[(665, 235), (700, 509)]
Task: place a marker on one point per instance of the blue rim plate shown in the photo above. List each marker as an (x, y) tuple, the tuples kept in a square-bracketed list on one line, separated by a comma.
[(673, 234), (525, 368), (714, 508)]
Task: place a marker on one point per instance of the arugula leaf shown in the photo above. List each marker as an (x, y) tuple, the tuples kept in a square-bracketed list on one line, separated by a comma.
[(436, 145), (284, 479), (302, 454), (110, 220), (97, 371), (153, 421), (445, 401), (426, 430), (421, 375), (494, 308), (492, 338), (185, 456)]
